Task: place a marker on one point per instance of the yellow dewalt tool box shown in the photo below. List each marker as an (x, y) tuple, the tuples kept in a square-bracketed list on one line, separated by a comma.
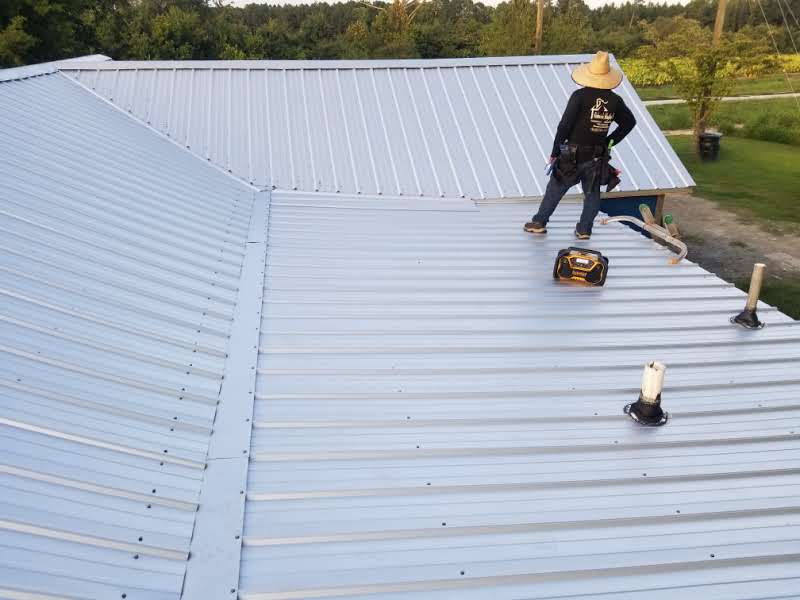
[(580, 264)]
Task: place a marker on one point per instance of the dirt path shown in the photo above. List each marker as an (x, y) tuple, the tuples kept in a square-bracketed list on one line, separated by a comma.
[(726, 98), (679, 131), (726, 244)]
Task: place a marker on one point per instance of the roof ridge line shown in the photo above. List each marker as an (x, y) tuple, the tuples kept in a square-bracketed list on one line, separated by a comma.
[(47, 68), (374, 63), (183, 148)]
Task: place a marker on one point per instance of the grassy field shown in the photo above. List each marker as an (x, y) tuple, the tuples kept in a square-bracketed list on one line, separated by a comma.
[(781, 293), (754, 178), (775, 120), (759, 181), (769, 84)]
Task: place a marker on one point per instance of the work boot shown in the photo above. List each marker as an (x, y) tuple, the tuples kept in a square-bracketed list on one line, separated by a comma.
[(535, 227), (582, 236)]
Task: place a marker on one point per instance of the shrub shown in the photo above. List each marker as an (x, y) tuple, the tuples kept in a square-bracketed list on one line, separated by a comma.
[(671, 116), (775, 120), (790, 63), (772, 127), (642, 75)]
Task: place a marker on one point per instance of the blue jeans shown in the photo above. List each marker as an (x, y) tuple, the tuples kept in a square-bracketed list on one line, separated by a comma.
[(591, 196)]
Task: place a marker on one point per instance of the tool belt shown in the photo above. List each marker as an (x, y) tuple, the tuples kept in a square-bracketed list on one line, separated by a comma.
[(566, 168), (571, 155), (567, 163)]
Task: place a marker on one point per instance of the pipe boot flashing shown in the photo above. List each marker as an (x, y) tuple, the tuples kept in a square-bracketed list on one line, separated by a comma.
[(647, 409)]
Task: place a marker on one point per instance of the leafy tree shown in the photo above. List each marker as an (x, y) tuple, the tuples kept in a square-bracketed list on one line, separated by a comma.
[(15, 42), (449, 28), (230, 52), (702, 73), (225, 34), (568, 31), (42, 30), (390, 35), (174, 34), (274, 40), (511, 31), (617, 40), (107, 26), (356, 40)]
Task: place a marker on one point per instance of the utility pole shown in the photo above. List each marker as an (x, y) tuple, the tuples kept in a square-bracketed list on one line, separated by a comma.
[(537, 45), (719, 21)]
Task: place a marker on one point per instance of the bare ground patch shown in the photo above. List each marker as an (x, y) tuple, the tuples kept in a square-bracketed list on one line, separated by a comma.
[(728, 244)]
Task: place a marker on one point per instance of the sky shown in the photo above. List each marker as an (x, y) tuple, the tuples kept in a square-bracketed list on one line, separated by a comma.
[(592, 3)]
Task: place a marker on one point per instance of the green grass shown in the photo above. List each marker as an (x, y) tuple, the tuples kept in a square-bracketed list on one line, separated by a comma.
[(671, 116), (775, 120), (754, 178), (758, 180), (781, 293), (769, 84)]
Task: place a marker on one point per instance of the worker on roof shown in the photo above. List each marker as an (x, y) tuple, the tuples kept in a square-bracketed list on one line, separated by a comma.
[(581, 147)]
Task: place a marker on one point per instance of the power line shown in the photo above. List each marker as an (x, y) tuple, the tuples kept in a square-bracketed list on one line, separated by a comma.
[(791, 12), (786, 23), (778, 53)]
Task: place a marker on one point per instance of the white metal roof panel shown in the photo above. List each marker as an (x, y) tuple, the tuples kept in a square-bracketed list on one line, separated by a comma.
[(478, 128), (120, 258), (48, 67), (410, 406), (436, 418)]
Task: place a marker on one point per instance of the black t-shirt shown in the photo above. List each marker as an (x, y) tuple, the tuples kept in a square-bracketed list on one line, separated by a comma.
[(589, 115)]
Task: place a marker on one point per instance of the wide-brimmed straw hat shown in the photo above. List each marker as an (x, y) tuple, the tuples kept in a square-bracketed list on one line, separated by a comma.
[(598, 73)]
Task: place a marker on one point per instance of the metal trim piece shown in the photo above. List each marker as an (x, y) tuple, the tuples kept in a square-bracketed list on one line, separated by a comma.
[(335, 64), (213, 569)]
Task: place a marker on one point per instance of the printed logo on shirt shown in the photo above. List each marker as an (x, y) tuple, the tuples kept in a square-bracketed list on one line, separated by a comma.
[(600, 117)]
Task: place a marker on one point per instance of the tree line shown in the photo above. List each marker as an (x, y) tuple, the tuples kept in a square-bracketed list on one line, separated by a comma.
[(41, 30)]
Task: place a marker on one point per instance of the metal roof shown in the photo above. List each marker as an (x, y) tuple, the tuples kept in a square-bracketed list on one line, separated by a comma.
[(48, 67), (409, 405), (120, 259), (435, 417), (476, 128)]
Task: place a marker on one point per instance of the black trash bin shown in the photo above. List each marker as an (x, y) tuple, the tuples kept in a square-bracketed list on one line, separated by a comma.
[(709, 145)]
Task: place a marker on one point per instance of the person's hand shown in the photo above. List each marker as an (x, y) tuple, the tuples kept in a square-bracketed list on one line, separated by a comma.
[(552, 160)]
